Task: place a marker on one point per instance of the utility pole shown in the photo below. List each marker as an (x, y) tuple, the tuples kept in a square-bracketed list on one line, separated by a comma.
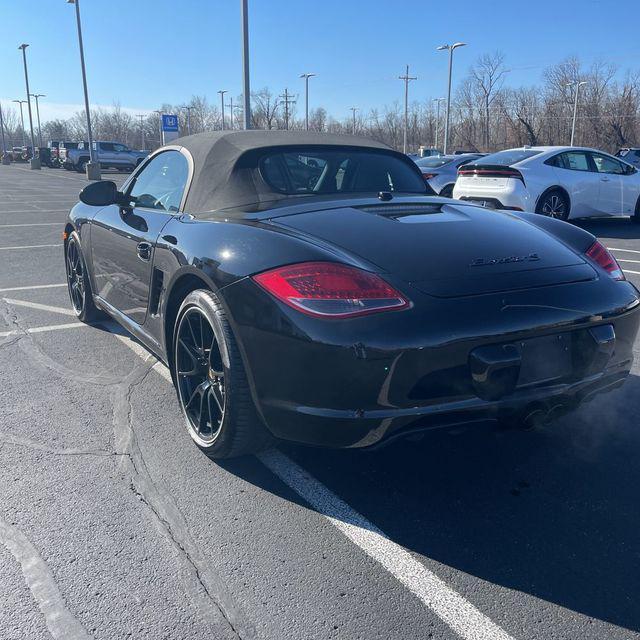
[(142, 116), (407, 78), (577, 85), (24, 139), (244, 10), (36, 96), (35, 161), (188, 110), (159, 112), (437, 101), (306, 77), (286, 97), (222, 92), (230, 105), (353, 114)]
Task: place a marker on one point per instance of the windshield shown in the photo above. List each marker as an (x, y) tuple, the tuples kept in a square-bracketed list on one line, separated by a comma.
[(508, 157), (346, 170), (433, 161)]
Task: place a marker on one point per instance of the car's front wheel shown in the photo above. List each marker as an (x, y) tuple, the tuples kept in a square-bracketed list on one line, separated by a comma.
[(211, 381), (635, 218), (554, 204)]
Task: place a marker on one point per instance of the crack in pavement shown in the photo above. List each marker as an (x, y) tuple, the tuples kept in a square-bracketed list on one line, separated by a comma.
[(173, 525), (60, 621), (9, 439)]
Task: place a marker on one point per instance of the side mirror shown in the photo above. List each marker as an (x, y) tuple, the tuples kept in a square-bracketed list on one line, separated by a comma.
[(101, 194)]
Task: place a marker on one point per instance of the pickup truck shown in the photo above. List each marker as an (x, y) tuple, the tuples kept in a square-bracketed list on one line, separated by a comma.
[(108, 154)]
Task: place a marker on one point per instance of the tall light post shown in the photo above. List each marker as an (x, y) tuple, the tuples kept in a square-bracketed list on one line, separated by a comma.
[(244, 10), (142, 116), (407, 78), (36, 96), (353, 122), (306, 77), (159, 112), (93, 167), (21, 102), (34, 163), (188, 110), (5, 157), (577, 85), (450, 48), (437, 101), (230, 105), (222, 92)]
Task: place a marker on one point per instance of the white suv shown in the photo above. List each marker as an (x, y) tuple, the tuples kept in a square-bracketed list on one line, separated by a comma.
[(561, 182)]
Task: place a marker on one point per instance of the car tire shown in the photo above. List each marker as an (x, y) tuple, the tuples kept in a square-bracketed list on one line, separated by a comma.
[(447, 192), (78, 283), (635, 218), (554, 204), (211, 382), (81, 166)]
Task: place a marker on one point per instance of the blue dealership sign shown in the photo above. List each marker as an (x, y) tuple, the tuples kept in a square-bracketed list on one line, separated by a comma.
[(169, 122)]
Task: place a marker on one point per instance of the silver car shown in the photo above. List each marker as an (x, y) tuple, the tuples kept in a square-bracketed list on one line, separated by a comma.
[(441, 171), (632, 156)]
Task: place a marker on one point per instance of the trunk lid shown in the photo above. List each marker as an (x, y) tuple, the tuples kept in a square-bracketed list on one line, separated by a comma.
[(446, 250)]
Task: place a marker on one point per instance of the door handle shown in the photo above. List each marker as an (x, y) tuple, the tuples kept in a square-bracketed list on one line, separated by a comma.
[(144, 251), (604, 179)]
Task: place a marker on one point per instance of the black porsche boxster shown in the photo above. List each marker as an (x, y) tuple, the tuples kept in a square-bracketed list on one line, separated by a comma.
[(306, 286)]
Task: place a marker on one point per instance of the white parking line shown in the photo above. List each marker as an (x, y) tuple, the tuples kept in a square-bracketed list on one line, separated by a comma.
[(627, 250), (50, 327), (30, 246), (634, 261), (33, 286), (32, 224), (36, 211), (40, 307), (636, 273), (459, 614)]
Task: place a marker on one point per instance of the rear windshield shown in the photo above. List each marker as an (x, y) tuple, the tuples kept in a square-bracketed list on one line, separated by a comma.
[(339, 171), (508, 157), (433, 161)]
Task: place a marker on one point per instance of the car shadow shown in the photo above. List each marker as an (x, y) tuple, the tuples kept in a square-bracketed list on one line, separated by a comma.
[(619, 227), (552, 513)]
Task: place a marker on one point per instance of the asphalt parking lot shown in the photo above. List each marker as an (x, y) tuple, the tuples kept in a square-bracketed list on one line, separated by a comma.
[(113, 525)]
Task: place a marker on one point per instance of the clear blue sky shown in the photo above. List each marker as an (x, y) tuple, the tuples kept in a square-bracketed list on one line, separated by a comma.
[(142, 53)]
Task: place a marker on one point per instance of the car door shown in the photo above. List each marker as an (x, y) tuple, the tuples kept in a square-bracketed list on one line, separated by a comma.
[(120, 155), (106, 154), (574, 172), (123, 239), (616, 192)]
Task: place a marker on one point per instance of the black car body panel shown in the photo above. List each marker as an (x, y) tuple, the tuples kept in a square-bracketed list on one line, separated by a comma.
[(482, 286)]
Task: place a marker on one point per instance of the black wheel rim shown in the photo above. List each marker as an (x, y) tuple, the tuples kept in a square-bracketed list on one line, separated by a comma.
[(200, 376), (75, 277), (554, 206)]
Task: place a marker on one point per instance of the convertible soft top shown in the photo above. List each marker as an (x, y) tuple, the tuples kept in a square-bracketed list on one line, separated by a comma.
[(225, 164)]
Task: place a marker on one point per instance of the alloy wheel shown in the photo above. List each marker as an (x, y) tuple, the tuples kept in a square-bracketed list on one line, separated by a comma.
[(75, 276), (554, 206), (200, 376)]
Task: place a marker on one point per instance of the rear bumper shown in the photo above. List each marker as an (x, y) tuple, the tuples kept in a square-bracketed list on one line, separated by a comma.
[(360, 382)]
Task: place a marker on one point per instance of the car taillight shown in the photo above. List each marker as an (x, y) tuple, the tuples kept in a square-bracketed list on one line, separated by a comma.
[(331, 290), (599, 254), (491, 172)]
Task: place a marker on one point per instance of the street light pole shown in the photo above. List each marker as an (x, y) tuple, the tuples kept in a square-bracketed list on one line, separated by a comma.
[(353, 115), (93, 167), (577, 85), (141, 116), (188, 110), (36, 96), (24, 139), (407, 78), (306, 77), (159, 112), (5, 157), (244, 9), (222, 92), (450, 48), (230, 105), (437, 101), (35, 161)]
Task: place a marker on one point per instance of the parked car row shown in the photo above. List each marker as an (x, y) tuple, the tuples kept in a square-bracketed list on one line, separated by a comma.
[(74, 156), (559, 182)]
